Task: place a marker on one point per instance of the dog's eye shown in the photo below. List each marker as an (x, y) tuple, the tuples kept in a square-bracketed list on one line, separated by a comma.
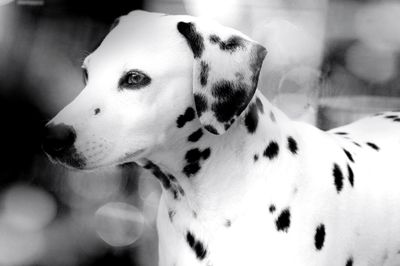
[(85, 75), (134, 79)]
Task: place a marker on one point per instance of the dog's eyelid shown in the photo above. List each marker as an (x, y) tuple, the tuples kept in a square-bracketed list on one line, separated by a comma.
[(133, 79)]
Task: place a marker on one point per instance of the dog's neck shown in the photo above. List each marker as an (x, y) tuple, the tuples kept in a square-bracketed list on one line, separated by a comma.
[(194, 170)]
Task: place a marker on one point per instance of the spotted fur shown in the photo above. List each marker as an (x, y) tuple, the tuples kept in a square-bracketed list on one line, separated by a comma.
[(188, 116), (319, 237), (194, 39), (251, 119), (193, 159), (227, 97), (283, 221), (338, 177), (272, 150), (196, 245), (168, 181), (230, 45)]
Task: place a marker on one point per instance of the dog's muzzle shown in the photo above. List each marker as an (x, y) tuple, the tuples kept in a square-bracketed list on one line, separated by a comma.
[(58, 142)]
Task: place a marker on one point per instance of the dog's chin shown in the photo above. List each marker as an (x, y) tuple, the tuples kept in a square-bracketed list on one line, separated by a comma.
[(76, 161), (70, 160), (126, 159), (131, 157)]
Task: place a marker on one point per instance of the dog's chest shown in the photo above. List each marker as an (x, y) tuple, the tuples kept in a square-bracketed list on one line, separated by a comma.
[(256, 233), (250, 239)]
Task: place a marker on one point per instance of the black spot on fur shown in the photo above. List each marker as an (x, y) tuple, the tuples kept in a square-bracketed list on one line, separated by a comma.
[(319, 237), (195, 155), (338, 177), (193, 158), (391, 116), (200, 102), (168, 182), (396, 120), (272, 208), (373, 146), (251, 119), (272, 150), (191, 169), (341, 133), (228, 223), (196, 246), (214, 39), (292, 145), (357, 144), (156, 171), (351, 175), (231, 99), (195, 136), (204, 69), (211, 129), (230, 45), (193, 38), (349, 262), (206, 153), (260, 105), (283, 221), (186, 117), (255, 157), (172, 178), (97, 111), (348, 154)]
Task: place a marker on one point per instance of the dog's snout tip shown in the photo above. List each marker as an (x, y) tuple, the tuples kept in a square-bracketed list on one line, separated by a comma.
[(57, 138)]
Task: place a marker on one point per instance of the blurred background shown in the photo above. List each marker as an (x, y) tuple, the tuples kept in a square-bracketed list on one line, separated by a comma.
[(329, 63)]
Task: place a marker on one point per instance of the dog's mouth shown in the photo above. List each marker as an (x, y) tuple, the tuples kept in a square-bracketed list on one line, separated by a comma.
[(70, 159), (77, 161)]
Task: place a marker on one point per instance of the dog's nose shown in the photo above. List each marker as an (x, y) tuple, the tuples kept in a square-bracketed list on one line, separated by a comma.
[(58, 139)]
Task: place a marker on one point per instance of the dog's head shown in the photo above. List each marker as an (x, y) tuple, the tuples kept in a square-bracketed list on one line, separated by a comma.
[(148, 72)]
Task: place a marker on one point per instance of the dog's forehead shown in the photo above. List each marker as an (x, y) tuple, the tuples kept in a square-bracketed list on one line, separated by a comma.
[(141, 37)]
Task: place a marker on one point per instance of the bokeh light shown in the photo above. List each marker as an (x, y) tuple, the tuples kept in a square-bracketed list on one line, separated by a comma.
[(371, 64), (18, 247), (5, 2), (224, 11), (377, 25), (27, 208), (288, 45), (119, 224)]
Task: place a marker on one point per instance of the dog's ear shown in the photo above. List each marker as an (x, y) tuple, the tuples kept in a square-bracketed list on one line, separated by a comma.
[(225, 72)]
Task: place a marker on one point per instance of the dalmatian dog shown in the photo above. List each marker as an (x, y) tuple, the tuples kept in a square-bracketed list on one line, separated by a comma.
[(242, 183)]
